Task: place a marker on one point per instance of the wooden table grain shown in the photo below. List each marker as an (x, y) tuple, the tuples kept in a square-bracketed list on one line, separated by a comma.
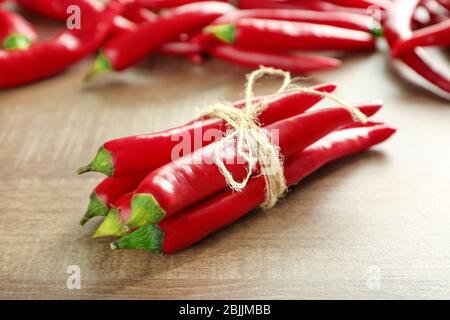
[(373, 226)]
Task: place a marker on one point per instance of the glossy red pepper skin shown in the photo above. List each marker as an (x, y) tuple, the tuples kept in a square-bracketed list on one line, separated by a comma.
[(51, 8), (437, 13), (185, 181), (162, 4), (316, 5), (444, 3), (115, 223), (107, 192), (216, 212), (127, 49), (54, 55), (58, 10), (434, 35), (140, 15), (345, 20), (397, 28), (136, 154), (362, 4), (12, 24), (181, 48), (299, 64), (287, 35)]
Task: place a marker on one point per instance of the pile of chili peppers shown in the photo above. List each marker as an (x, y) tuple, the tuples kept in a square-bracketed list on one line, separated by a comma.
[(407, 36), (155, 202), (292, 35)]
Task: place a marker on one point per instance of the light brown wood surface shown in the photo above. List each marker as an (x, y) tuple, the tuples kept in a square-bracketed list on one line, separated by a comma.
[(374, 225)]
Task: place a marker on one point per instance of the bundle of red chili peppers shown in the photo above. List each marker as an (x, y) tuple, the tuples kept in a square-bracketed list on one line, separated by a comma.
[(273, 33), (154, 201)]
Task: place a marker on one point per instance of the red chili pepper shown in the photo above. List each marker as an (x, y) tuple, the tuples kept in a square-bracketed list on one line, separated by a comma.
[(15, 31), (126, 49), (122, 25), (107, 192), (51, 8), (436, 11), (194, 177), (345, 20), (140, 15), (52, 56), (316, 5), (185, 48), (197, 222), (130, 155), (435, 35), (253, 59), (397, 28), (444, 3), (286, 35), (161, 4), (58, 10), (362, 4), (116, 222)]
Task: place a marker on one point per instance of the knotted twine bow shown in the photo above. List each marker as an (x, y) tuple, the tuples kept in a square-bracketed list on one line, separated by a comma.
[(253, 143)]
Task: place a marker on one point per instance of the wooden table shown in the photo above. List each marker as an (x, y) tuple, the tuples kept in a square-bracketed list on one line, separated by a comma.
[(374, 225)]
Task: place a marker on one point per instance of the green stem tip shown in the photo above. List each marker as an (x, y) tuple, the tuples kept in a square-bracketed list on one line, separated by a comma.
[(224, 32), (112, 226), (97, 207), (102, 163), (101, 64), (144, 210), (148, 238), (17, 42), (377, 31)]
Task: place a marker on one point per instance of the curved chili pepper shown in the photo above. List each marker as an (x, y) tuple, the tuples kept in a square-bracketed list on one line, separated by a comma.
[(197, 222), (125, 156), (436, 11), (52, 56), (288, 35), (107, 192), (345, 20), (397, 28), (58, 10), (126, 49), (302, 64), (444, 3), (193, 177), (15, 31), (435, 35), (129, 23)]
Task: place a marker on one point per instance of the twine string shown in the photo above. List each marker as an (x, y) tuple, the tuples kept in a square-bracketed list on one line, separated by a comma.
[(251, 142)]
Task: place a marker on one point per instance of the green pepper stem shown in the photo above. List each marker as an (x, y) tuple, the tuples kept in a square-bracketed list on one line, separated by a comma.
[(17, 42), (101, 64), (224, 32), (102, 163), (148, 238)]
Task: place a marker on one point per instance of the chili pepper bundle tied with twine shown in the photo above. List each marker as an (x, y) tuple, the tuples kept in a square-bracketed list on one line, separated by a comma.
[(263, 161)]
